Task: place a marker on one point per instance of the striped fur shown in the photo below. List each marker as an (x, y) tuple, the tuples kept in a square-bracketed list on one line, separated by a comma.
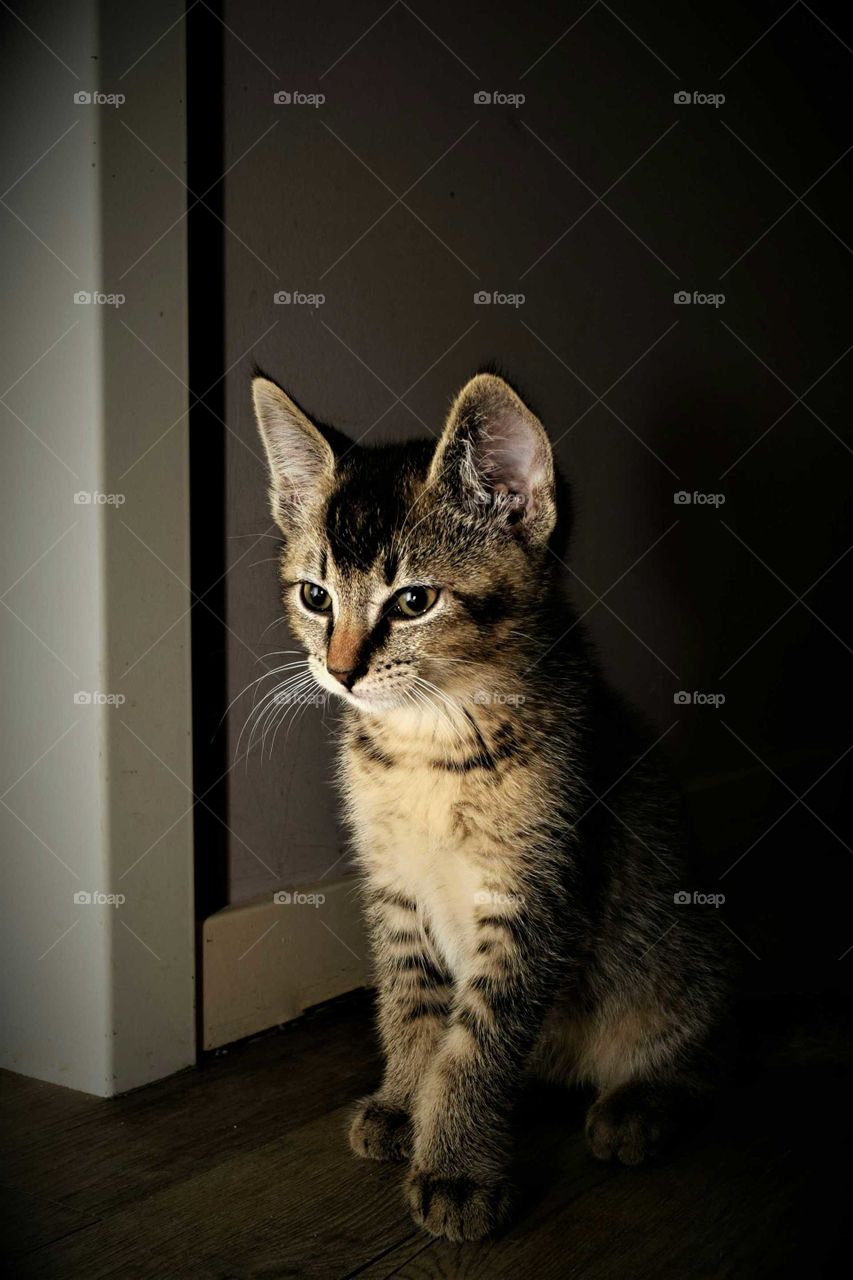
[(519, 849)]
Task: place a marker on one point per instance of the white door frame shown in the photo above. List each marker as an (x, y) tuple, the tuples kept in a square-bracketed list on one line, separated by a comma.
[(96, 632)]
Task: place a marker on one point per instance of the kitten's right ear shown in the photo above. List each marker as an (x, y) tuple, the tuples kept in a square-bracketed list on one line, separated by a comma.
[(301, 462)]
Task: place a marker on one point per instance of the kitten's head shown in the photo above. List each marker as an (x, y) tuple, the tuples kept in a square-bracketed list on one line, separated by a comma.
[(416, 570)]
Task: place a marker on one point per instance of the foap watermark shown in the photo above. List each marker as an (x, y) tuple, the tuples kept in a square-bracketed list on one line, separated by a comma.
[(684, 698), (494, 898), (85, 98), (488, 698), (293, 298), (94, 298), (94, 498), (684, 298), (682, 498), (95, 698), (294, 898), (295, 98), (313, 698), (688, 898), (696, 98), (494, 298), (497, 98), (96, 898)]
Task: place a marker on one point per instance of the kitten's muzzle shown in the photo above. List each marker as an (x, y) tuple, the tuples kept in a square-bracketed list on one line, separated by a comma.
[(344, 675)]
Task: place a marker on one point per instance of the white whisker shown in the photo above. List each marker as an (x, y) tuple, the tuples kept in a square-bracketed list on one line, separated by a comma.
[(260, 708), (273, 671)]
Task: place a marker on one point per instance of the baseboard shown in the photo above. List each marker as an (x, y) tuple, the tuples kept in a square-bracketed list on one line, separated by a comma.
[(266, 962)]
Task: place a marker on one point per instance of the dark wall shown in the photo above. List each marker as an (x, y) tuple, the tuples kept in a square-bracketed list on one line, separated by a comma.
[(597, 199)]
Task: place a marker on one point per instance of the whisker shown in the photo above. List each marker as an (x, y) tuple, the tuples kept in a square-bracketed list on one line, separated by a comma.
[(266, 560), (259, 708), (279, 709), (448, 702), (233, 537), (273, 671), (297, 702), (276, 622), (467, 662), (456, 738)]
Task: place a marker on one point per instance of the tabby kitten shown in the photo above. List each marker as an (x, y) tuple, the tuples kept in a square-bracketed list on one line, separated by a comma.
[(520, 849)]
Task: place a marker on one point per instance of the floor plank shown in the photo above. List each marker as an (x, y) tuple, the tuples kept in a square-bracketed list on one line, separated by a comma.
[(144, 1141), (28, 1222), (298, 1206)]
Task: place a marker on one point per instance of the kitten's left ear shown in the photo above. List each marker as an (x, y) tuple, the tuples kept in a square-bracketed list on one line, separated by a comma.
[(494, 456)]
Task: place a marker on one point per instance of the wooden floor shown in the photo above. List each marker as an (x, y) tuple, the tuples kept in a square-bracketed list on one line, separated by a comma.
[(240, 1168)]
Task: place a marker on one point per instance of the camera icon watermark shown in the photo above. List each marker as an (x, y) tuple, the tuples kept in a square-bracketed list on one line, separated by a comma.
[(683, 698), (294, 98), (496, 98), (293, 298), (695, 97), (314, 698), (490, 898), (683, 298), (95, 498), (288, 898), (496, 698), (85, 298), (682, 498), (95, 898), (94, 698), (686, 898), (494, 298), (83, 98)]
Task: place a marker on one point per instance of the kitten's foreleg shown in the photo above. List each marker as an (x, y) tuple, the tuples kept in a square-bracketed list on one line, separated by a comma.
[(456, 1185), (414, 995)]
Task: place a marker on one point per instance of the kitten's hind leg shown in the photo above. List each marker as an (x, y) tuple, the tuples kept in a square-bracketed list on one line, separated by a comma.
[(650, 1086), (635, 1120)]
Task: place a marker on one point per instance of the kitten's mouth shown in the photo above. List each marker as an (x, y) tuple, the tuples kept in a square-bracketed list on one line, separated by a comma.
[(369, 699), (365, 699), (373, 700)]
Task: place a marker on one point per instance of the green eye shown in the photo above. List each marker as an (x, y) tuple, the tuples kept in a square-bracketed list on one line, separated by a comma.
[(315, 598), (412, 602)]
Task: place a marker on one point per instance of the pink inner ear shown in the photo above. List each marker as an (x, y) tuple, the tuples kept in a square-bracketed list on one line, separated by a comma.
[(508, 456)]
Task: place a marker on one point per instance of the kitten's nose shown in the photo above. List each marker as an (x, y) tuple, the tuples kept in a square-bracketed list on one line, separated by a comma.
[(346, 675)]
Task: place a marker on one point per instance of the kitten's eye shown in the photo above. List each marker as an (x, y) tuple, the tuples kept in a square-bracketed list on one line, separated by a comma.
[(315, 598), (411, 602)]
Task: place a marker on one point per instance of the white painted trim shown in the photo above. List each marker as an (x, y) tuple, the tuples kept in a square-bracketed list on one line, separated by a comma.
[(264, 962), (95, 996), (147, 555)]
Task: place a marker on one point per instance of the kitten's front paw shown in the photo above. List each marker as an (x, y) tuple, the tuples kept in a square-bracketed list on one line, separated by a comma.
[(457, 1208), (380, 1131)]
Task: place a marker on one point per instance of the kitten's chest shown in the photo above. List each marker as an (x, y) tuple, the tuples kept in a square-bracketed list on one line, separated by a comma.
[(416, 836)]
